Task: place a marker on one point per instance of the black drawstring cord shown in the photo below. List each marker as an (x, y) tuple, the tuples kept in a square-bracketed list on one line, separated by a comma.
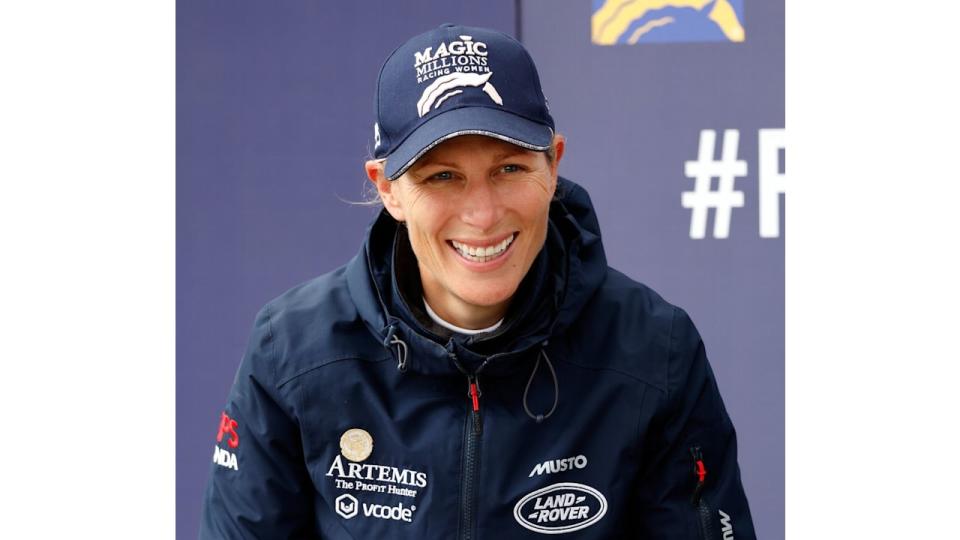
[(556, 386)]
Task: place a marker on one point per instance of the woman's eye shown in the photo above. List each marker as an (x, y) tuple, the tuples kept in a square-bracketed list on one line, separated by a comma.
[(444, 175)]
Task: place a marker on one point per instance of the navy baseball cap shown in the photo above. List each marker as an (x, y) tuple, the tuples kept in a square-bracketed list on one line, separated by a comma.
[(457, 80)]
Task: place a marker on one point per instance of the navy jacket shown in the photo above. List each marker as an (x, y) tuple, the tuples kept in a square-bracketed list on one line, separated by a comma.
[(592, 411)]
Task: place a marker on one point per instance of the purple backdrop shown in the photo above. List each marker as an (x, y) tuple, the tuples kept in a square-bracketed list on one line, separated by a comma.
[(273, 117)]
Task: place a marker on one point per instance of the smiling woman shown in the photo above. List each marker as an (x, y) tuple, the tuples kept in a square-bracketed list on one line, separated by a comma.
[(476, 213), (477, 371)]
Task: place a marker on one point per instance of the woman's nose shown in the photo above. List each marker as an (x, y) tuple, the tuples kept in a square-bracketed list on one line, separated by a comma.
[(481, 206)]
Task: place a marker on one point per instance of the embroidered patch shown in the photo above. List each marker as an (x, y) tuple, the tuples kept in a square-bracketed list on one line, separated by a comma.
[(560, 508), (356, 444)]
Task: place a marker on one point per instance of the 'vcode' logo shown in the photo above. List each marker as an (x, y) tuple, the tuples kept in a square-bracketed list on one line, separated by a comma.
[(346, 505)]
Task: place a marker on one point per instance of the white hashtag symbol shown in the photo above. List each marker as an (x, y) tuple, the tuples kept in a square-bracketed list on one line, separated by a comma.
[(703, 198)]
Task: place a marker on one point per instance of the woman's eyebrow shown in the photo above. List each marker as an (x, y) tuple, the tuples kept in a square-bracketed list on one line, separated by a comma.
[(426, 161), (510, 153)]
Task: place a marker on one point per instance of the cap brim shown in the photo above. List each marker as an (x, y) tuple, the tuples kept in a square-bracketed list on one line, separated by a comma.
[(485, 121)]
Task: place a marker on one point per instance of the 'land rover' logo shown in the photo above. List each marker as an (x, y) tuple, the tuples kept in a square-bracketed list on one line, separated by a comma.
[(560, 508)]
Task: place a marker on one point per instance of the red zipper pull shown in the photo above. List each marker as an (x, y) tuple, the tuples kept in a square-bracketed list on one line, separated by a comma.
[(700, 470), (475, 397)]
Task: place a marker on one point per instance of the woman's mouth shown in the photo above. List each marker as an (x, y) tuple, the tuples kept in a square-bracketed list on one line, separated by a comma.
[(483, 253)]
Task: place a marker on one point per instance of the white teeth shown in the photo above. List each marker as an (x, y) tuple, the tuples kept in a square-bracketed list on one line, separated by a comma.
[(482, 254)]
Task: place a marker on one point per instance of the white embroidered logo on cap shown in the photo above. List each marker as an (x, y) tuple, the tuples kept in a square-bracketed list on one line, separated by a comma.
[(453, 66), (435, 92)]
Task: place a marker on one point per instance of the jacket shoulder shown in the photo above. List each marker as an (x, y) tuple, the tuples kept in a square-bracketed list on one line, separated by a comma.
[(316, 323), (635, 328)]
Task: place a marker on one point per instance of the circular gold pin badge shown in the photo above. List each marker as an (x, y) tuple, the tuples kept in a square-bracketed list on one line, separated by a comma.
[(356, 444)]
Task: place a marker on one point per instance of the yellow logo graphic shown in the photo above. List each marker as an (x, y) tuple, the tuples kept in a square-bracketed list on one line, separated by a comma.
[(627, 22)]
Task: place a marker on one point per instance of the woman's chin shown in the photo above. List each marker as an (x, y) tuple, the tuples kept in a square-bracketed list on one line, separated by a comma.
[(487, 296)]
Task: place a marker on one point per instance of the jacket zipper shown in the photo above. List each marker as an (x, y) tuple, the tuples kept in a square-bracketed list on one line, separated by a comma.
[(704, 514), (472, 431)]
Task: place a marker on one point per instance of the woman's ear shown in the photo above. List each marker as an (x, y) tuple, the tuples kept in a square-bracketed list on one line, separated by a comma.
[(385, 188), (559, 145)]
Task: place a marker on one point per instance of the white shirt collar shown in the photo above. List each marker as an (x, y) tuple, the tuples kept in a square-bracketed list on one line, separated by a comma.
[(436, 318)]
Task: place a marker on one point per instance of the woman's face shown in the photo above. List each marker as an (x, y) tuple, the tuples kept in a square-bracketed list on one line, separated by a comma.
[(476, 212)]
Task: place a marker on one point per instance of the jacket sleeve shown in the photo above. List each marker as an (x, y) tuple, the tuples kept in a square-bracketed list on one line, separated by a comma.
[(258, 485), (691, 425)]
